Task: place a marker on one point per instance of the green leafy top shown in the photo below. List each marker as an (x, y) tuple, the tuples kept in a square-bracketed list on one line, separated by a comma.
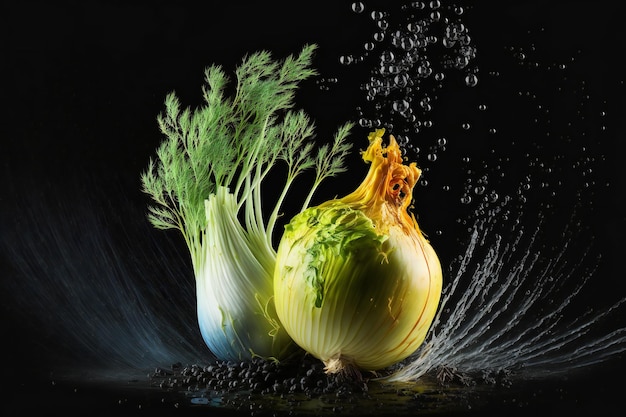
[(233, 142)]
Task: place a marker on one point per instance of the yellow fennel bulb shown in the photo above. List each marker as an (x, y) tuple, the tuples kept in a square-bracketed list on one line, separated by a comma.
[(356, 283)]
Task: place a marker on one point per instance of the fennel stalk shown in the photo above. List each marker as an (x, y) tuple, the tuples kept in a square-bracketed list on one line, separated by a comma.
[(207, 182)]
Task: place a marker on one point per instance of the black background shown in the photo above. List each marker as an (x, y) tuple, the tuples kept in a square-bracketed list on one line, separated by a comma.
[(84, 81)]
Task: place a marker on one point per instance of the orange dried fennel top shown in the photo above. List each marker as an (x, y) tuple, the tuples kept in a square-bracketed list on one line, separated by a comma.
[(387, 191)]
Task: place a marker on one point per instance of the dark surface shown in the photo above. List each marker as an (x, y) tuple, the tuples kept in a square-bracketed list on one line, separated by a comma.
[(84, 81), (597, 393)]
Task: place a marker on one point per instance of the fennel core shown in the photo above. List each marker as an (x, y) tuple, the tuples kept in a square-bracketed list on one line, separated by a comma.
[(207, 182)]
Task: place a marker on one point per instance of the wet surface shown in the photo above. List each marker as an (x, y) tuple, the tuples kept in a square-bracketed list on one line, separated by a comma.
[(175, 391)]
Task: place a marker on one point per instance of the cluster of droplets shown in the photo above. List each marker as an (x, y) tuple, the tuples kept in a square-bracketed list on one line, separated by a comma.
[(411, 55)]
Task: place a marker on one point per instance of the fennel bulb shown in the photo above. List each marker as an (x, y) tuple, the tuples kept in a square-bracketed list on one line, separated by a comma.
[(207, 183), (356, 283)]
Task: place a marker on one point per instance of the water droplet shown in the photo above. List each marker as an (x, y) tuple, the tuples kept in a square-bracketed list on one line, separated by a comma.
[(358, 7), (466, 199), (407, 43), (363, 122), (471, 80), (346, 59), (387, 57), (432, 157), (401, 80), (466, 126), (413, 27), (376, 15), (400, 106)]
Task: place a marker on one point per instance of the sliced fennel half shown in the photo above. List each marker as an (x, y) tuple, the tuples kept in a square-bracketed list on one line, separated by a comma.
[(206, 181)]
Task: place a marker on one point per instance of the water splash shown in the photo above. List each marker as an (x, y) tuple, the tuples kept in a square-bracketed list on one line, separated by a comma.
[(507, 307), (515, 300), (81, 288)]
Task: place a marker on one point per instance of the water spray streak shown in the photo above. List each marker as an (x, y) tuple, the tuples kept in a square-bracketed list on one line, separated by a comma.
[(93, 297), (506, 309)]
